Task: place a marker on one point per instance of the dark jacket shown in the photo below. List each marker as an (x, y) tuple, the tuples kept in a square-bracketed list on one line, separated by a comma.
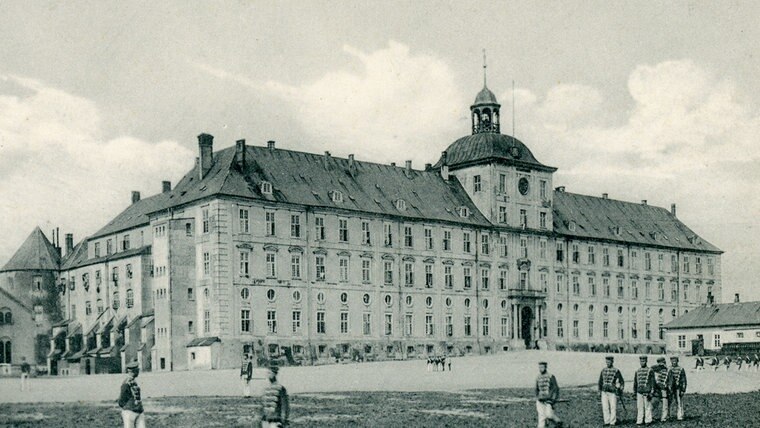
[(129, 398), (547, 389), (275, 406), (610, 380)]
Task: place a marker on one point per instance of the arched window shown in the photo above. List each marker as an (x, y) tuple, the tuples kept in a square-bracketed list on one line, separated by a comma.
[(5, 351), (8, 317), (130, 298), (115, 302)]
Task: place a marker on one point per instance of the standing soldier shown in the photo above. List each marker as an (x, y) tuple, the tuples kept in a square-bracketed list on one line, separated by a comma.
[(661, 386), (275, 407), (130, 401), (246, 373), (643, 385), (611, 384), (677, 385), (756, 362), (547, 393), (25, 370)]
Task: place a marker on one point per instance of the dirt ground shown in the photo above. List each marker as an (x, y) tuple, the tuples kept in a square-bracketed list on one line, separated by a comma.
[(482, 408)]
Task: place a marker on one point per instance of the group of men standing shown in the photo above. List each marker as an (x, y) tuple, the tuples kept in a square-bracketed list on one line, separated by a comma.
[(434, 362)]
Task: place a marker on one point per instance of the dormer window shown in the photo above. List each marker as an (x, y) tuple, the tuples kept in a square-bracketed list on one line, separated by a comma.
[(400, 204), (336, 196), (464, 212), (571, 226), (266, 187), (615, 230)]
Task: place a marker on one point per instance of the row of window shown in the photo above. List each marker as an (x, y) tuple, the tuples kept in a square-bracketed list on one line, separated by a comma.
[(592, 333), (590, 259), (632, 292), (124, 245), (503, 185), (98, 278), (115, 303), (605, 310)]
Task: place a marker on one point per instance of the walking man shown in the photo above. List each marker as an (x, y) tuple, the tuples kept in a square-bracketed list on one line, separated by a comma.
[(643, 385), (661, 386), (547, 393), (677, 385), (25, 371), (275, 406), (611, 384), (132, 412), (246, 373)]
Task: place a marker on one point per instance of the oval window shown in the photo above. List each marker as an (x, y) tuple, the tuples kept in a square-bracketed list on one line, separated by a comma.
[(320, 297), (467, 303), (271, 295), (245, 293), (409, 301), (366, 299), (388, 300), (429, 302), (296, 296), (448, 302), (485, 303), (343, 298)]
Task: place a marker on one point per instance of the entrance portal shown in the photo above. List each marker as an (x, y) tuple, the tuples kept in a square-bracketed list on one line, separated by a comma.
[(526, 317)]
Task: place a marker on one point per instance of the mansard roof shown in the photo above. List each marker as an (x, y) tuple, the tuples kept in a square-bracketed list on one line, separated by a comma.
[(36, 253), (722, 315), (582, 216), (309, 179)]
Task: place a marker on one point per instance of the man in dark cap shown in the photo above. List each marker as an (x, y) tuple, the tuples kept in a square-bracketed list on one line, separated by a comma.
[(677, 385), (130, 400), (611, 384), (661, 386), (547, 393), (246, 373), (643, 385), (275, 408)]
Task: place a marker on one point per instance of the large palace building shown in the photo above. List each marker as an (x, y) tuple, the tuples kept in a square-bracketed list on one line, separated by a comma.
[(312, 257)]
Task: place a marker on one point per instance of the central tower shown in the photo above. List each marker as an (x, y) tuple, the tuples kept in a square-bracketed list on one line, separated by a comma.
[(485, 110)]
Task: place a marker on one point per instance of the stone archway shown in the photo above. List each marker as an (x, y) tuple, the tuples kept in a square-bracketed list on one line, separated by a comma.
[(526, 327)]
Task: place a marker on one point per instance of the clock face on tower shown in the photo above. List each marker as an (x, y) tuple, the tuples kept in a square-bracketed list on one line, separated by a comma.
[(523, 186)]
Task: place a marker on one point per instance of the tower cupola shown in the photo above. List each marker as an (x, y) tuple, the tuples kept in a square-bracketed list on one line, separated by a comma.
[(485, 109)]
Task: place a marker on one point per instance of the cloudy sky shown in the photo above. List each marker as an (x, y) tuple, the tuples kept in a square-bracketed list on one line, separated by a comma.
[(641, 100)]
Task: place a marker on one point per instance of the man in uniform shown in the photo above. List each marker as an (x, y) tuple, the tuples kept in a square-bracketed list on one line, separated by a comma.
[(661, 386), (756, 362), (25, 370), (132, 412), (547, 393), (643, 385), (677, 385), (275, 406), (246, 373), (611, 384)]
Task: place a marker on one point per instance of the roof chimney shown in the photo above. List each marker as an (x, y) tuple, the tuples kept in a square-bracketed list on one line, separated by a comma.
[(605, 196), (270, 144), (166, 186), (206, 150), (428, 166), (560, 189), (240, 153), (643, 202), (135, 196), (673, 209), (736, 298), (351, 163), (326, 159), (69, 243), (393, 163)]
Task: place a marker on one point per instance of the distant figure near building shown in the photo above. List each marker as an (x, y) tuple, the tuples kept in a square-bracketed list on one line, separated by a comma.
[(661, 386), (756, 362), (132, 412), (275, 407), (643, 386), (677, 385), (25, 371), (611, 384), (246, 373), (547, 393), (449, 363)]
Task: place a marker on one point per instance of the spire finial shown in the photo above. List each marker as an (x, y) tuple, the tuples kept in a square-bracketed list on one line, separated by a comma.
[(484, 68)]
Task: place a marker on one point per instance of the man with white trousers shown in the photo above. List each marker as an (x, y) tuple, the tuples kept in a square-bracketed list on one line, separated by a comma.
[(611, 384)]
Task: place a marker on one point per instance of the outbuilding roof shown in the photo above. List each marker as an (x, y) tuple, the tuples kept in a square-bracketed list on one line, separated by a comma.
[(36, 253), (722, 315), (203, 341), (583, 216)]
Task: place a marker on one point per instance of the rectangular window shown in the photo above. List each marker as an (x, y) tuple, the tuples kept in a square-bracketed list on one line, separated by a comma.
[(476, 184), (319, 228), (388, 271), (428, 275), (710, 266), (560, 252), (542, 189), (97, 249), (560, 283), (660, 291), (88, 308), (467, 278), (502, 214), (428, 238), (560, 329), (245, 321), (428, 325), (388, 234), (503, 279), (673, 292), (190, 293), (408, 274), (523, 280), (205, 220), (271, 264), (296, 322), (524, 248), (466, 242), (448, 277), (590, 329), (244, 263), (502, 183), (449, 326), (485, 274), (190, 327), (634, 330), (605, 256), (206, 264), (686, 292), (591, 286), (295, 226), (606, 329), (504, 326), (503, 246), (647, 261), (367, 324), (446, 240), (206, 321), (621, 330), (673, 263), (621, 288), (467, 325), (647, 290), (660, 262), (408, 242), (271, 321), (523, 219), (344, 323), (716, 340), (366, 233), (366, 270), (485, 326), (269, 218), (591, 258), (321, 322), (295, 266), (245, 226), (343, 230), (576, 333), (408, 325), (648, 331), (685, 264), (576, 254), (485, 248), (343, 269), (319, 266), (388, 324), (620, 258), (606, 287), (682, 341), (542, 220), (634, 260), (576, 286), (634, 290)]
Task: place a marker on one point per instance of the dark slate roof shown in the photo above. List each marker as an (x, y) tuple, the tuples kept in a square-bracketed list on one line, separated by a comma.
[(485, 96), (77, 256), (649, 225), (9, 296), (203, 341), (36, 253), (306, 179), (723, 315), (489, 147)]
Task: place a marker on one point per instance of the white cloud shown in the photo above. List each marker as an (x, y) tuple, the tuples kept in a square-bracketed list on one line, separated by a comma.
[(57, 170)]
